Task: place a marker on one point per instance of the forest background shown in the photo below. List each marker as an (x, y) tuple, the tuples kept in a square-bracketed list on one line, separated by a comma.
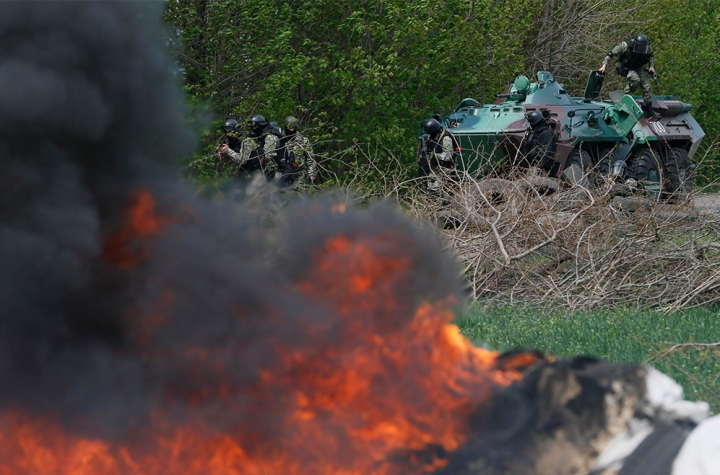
[(360, 76)]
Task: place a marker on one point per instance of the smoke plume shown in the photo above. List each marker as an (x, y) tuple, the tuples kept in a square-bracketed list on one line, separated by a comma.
[(124, 296)]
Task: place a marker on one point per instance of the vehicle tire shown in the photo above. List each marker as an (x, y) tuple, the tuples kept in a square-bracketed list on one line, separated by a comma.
[(607, 157), (645, 166), (578, 165), (683, 169)]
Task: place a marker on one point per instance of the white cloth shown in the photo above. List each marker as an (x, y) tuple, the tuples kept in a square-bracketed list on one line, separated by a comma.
[(663, 401), (700, 454)]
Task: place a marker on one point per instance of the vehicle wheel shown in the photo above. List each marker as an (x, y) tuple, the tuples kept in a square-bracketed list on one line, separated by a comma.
[(646, 168), (578, 164), (683, 168), (608, 156)]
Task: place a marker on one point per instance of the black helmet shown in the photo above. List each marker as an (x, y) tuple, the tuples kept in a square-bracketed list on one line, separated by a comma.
[(291, 122), (229, 125), (431, 126), (257, 119), (534, 118), (641, 44)]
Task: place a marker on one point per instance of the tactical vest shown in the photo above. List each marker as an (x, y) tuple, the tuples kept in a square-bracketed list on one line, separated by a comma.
[(632, 60), (234, 141)]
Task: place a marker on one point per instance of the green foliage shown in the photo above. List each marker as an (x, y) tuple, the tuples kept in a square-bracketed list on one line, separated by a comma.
[(362, 71), (620, 335), (686, 39), (369, 71)]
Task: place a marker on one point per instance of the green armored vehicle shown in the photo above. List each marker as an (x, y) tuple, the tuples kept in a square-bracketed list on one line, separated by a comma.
[(594, 137)]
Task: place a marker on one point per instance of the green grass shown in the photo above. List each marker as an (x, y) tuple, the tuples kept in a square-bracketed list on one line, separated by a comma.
[(619, 336)]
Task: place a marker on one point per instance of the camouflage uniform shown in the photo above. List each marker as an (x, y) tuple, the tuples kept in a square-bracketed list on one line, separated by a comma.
[(635, 72), (256, 153), (441, 160), (298, 160)]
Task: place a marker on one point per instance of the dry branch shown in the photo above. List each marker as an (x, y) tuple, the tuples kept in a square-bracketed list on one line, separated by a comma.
[(581, 248)]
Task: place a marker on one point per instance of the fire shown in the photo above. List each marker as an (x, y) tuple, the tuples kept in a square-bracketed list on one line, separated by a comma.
[(141, 221), (388, 390)]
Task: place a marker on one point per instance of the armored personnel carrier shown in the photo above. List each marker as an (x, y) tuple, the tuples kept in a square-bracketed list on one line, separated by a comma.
[(595, 137)]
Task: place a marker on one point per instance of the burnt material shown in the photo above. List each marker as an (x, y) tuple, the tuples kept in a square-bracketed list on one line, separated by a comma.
[(554, 422)]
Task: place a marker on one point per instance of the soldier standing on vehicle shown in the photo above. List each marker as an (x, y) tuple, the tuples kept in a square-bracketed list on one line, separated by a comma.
[(540, 143), (258, 152), (632, 55), (436, 155), (296, 156)]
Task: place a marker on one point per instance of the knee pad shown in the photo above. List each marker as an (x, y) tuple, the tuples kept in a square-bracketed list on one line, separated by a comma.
[(634, 85)]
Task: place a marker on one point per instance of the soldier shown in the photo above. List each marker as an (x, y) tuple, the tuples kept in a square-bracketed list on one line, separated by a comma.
[(296, 156), (258, 152), (436, 155), (233, 137), (632, 55), (540, 143)]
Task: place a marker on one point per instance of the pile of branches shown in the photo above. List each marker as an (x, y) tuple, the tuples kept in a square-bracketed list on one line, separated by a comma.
[(539, 242)]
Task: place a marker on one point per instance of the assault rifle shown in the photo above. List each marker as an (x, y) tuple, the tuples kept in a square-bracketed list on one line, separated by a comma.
[(653, 76), (426, 149), (223, 140)]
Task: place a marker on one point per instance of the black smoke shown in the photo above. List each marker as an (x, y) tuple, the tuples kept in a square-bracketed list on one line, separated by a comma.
[(90, 108)]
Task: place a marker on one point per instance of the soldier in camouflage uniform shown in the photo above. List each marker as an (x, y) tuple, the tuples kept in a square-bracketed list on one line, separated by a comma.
[(632, 55), (258, 152), (296, 156), (233, 137), (436, 155)]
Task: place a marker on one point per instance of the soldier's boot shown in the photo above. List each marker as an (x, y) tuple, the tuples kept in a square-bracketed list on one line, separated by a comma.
[(650, 112)]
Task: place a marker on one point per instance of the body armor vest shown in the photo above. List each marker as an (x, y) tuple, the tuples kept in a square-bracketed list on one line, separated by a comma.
[(632, 60)]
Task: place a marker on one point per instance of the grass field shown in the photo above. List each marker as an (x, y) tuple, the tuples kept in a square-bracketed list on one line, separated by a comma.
[(620, 336)]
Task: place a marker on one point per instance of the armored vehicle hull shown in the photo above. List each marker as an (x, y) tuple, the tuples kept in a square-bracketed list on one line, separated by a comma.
[(594, 137)]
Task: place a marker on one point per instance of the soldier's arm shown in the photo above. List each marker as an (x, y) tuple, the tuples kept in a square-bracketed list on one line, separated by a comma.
[(651, 60), (447, 150), (311, 164), (271, 143), (616, 51), (242, 157)]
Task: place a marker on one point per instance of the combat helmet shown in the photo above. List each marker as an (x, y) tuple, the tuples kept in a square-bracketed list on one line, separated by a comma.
[(258, 120), (229, 125), (534, 118), (431, 126), (291, 122), (641, 44)]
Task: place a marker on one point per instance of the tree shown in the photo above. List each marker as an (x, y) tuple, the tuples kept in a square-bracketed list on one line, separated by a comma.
[(371, 69)]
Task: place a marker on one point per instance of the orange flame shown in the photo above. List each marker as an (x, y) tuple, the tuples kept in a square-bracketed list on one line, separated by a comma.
[(381, 396), (141, 221)]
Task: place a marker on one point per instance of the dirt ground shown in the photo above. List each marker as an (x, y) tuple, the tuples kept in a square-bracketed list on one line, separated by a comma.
[(707, 203)]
